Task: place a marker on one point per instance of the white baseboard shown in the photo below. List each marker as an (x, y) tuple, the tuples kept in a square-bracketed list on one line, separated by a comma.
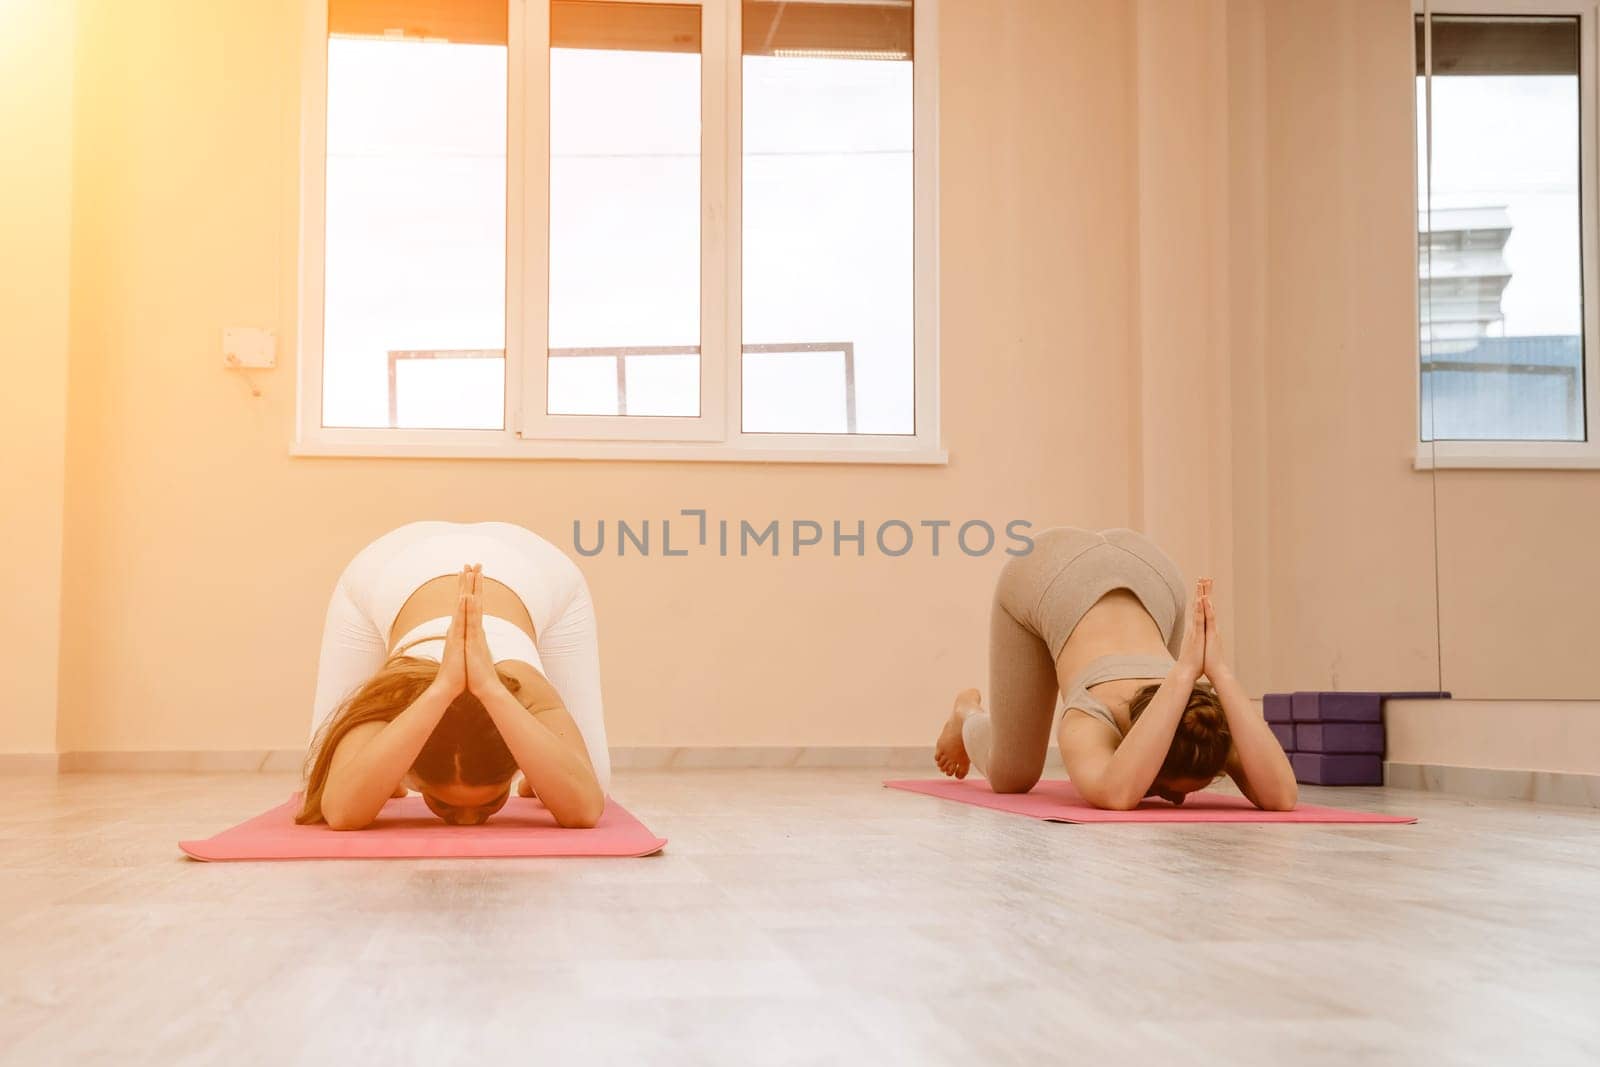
[(1488, 783), (200, 762), (627, 758), (747, 757), (1545, 787), (29, 763)]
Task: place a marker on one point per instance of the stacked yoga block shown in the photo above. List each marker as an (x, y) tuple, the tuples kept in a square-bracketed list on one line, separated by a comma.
[(1333, 738)]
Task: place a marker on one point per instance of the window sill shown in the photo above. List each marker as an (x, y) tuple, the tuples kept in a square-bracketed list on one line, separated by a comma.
[(1507, 455), (497, 445)]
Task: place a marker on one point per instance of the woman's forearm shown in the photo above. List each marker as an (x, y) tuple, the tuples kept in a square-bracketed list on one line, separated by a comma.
[(563, 779), (358, 787), (1132, 769), (1266, 769)]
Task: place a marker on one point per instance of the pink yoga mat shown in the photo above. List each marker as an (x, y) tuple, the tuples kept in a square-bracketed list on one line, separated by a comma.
[(1058, 801), (406, 829)]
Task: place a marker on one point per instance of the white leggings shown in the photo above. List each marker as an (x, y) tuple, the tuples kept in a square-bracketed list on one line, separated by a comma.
[(383, 575)]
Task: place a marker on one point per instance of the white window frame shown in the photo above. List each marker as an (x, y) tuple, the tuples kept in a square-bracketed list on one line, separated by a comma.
[(529, 432), (1536, 455)]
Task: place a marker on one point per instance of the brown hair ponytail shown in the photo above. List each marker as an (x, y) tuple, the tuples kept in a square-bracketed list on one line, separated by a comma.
[(1201, 743)]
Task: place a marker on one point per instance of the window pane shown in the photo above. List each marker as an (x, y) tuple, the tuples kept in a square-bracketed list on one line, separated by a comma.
[(445, 389), (584, 383), (625, 381), (1500, 255), (817, 380), (624, 206), (828, 218), (661, 383), (415, 237)]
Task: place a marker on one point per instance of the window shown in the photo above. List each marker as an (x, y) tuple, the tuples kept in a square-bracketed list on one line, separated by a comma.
[(629, 228), (1505, 244), (415, 242), (624, 209), (829, 326)]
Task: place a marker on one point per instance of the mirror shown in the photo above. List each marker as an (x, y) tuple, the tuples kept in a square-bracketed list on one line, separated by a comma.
[(1506, 299), (1335, 529), (1428, 285)]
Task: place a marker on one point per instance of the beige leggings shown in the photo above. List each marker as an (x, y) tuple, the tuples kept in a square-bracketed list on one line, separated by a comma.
[(1038, 602)]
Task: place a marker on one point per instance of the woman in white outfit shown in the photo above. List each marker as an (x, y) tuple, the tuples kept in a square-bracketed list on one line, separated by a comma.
[(453, 657)]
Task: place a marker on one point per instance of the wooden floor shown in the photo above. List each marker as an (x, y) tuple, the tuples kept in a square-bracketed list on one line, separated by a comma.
[(803, 917)]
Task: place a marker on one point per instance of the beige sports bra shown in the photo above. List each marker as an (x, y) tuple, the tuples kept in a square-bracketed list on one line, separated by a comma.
[(1112, 669)]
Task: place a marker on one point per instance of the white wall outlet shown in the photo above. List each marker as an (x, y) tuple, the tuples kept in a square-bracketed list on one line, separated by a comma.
[(245, 346)]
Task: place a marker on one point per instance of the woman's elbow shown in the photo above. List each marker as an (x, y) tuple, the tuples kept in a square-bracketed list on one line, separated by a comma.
[(338, 818), (584, 818), (583, 814), (1285, 801), (1111, 799)]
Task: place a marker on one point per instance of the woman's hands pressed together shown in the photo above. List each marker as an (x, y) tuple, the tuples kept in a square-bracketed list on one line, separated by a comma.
[(1192, 654), (467, 665), (482, 677), (1216, 663), (452, 678), (1201, 652)]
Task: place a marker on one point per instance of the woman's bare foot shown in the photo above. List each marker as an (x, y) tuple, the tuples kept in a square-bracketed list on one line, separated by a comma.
[(524, 788), (950, 752)]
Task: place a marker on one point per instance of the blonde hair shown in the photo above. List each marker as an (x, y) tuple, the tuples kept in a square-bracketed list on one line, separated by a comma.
[(464, 747)]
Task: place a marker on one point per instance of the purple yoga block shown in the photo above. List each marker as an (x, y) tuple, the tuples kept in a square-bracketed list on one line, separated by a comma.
[(1342, 707), (1278, 707), (1351, 707), (1285, 733), (1365, 738), (1303, 706), (1317, 769)]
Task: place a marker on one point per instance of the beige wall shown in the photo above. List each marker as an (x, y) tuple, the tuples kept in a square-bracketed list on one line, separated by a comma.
[(1183, 495), (203, 555), (1519, 564), (1246, 318), (36, 55), (1176, 293)]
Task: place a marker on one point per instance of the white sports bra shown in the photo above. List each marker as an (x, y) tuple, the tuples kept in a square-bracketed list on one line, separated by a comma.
[(506, 640)]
